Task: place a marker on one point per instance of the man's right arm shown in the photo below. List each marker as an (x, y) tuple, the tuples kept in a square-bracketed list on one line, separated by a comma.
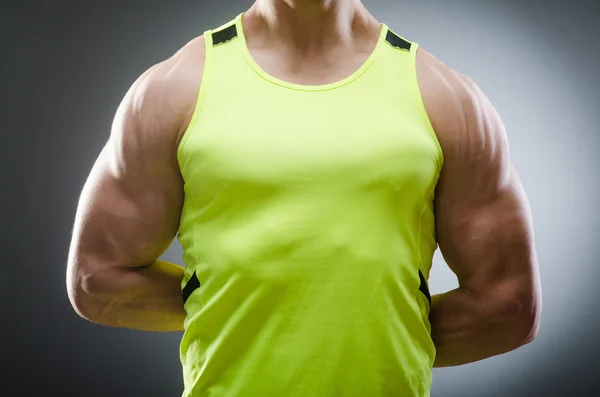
[(129, 209)]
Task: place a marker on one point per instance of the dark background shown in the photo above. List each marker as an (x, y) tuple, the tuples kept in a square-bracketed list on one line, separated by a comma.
[(66, 66)]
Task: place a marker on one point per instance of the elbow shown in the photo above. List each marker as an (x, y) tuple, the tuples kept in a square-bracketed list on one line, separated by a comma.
[(529, 323), (523, 324), (78, 292), (531, 312), (523, 329), (78, 297), (80, 304)]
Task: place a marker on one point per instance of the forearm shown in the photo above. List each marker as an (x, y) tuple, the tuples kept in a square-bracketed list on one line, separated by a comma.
[(466, 329), (144, 298)]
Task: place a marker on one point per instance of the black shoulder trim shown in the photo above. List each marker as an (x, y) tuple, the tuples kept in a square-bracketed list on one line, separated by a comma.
[(225, 35), (397, 41), (423, 287), (192, 284)]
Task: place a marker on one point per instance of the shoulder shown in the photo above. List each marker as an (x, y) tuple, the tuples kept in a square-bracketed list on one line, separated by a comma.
[(470, 131), (456, 105), (163, 98)]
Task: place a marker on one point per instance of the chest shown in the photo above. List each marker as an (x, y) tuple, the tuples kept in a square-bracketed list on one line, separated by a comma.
[(351, 142)]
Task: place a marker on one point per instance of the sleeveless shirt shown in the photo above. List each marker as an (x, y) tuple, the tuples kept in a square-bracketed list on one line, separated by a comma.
[(307, 228)]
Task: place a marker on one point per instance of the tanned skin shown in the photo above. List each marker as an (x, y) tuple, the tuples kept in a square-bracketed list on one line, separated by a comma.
[(483, 225), (130, 205)]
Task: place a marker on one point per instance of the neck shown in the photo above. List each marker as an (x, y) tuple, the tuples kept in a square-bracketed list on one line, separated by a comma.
[(313, 24)]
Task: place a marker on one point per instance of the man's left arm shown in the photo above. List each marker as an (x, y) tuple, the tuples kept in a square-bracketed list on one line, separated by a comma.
[(483, 225)]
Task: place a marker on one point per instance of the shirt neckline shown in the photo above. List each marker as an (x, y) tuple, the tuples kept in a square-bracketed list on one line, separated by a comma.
[(301, 87)]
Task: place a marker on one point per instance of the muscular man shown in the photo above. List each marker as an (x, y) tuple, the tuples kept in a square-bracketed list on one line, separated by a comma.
[(310, 160)]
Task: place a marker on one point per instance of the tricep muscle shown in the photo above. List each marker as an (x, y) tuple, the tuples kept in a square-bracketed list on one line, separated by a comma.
[(129, 209)]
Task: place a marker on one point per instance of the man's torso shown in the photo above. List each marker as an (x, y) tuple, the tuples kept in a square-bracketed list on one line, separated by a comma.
[(255, 159)]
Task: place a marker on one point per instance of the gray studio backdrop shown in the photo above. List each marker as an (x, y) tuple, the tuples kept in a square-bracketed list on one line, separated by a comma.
[(69, 64)]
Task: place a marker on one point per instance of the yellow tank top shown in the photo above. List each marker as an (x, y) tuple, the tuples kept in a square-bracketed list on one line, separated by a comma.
[(307, 229)]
